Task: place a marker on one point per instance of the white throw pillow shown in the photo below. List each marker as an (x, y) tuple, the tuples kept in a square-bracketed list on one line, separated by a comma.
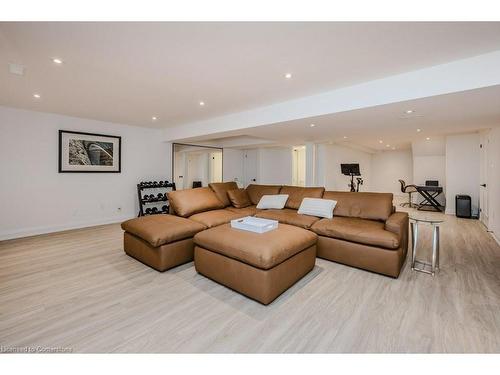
[(272, 201), (317, 207)]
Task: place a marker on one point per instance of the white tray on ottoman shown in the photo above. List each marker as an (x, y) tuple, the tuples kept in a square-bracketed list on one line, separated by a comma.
[(254, 224)]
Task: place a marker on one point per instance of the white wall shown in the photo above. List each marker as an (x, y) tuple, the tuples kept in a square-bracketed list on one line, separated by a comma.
[(331, 175), (275, 165), (35, 198), (429, 163), (233, 165), (390, 166), (462, 169)]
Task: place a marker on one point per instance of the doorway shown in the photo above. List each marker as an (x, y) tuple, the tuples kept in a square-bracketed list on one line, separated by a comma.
[(194, 165), (250, 167), (215, 170), (299, 166)]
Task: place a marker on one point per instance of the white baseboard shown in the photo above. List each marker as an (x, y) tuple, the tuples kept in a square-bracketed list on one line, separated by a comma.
[(495, 237), (33, 231)]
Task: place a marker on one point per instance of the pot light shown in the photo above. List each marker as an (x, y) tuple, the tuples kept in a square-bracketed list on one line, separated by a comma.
[(428, 138), (381, 141), (419, 130), (387, 145), (36, 96), (288, 75), (202, 103), (312, 125), (345, 136), (154, 118), (394, 148), (409, 112), (57, 61)]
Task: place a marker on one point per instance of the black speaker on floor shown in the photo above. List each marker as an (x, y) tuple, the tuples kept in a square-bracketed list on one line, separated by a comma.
[(463, 206)]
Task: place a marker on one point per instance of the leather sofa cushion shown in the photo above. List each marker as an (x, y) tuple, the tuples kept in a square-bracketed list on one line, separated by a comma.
[(221, 188), (239, 198), (288, 216), (297, 193), (162, 229), (191, 201), (372, 206), (216, 217), (261, 250), (397, 223), (368, 232), (255, 192), (247, 211)]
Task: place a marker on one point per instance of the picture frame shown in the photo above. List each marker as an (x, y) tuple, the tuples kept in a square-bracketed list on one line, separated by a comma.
[(81, 152)]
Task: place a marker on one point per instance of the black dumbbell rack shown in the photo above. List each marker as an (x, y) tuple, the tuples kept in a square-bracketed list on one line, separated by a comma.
[(153, 197)]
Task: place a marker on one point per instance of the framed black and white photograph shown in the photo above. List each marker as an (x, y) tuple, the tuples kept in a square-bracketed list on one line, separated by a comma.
[(87, 152)]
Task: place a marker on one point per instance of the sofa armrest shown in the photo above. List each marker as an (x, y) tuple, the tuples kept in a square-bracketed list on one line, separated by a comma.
[(397, 223)]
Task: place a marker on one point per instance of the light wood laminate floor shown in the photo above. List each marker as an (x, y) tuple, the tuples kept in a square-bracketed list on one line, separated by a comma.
[(78, 290)]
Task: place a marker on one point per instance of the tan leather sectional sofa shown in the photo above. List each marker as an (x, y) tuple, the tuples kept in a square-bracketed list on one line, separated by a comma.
[(365, 232)]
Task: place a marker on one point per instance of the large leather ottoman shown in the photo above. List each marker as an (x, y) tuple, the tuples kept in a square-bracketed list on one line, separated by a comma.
[(260, 266), (160, 241)]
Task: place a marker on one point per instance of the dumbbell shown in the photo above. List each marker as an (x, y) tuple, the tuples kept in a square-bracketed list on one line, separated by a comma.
[(164, 208), (160, 183), (155, 210), (148, 211)]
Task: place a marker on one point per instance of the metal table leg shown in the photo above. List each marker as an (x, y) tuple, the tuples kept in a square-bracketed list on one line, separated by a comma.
[(435, 249), (434, 266), (414, 236)]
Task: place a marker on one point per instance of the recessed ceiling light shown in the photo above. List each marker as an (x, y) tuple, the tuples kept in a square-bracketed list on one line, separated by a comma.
[(394, 148), (387, 145), (202, 104), (428, 138), (381, 141), (419, 130), (36, 96), (410, 111), (154, 118), (57, 61), (312, 125), (345, 136), (288, 75)]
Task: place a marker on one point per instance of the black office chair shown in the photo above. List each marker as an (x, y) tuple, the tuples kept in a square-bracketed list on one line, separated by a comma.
[(408, 189)]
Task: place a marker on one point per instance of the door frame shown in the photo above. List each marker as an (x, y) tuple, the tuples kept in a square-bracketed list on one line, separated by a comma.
[(483, 176)]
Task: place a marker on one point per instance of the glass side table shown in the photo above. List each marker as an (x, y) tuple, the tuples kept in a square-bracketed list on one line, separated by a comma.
[(417, 265)]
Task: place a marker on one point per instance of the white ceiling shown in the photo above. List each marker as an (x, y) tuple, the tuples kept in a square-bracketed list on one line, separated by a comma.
[(364, 128), (129, 72)]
